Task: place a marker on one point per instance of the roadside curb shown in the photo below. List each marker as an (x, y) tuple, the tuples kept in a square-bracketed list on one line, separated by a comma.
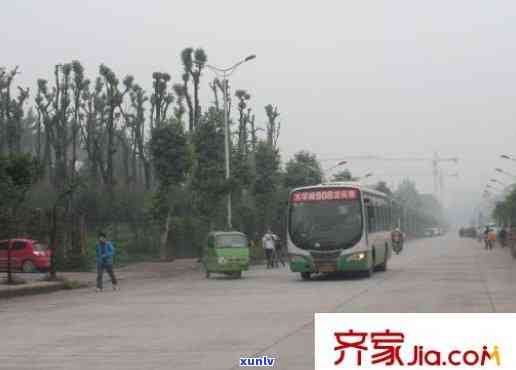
[(31, 289)]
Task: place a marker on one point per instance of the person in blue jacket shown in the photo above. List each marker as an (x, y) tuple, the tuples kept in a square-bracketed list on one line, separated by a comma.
[(105, 253)]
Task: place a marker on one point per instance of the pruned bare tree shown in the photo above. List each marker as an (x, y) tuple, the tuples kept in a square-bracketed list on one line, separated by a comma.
[(273, 125)]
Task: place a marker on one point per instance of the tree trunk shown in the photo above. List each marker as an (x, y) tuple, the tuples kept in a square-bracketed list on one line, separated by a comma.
[(163, 248), (197, 108), (53, 241), (147, 174), (191, 113), (110, 153)]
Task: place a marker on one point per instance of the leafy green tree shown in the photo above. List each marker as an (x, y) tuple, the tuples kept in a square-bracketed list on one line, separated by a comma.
[(383, 187), (209, 183), (408, 194), (267, 180), (505, 210), (432, 206), (179, 109), (171, 160), (303, 170), (18, 173)]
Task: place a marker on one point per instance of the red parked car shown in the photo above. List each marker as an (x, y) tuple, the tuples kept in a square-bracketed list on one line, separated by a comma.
[(27, 255)]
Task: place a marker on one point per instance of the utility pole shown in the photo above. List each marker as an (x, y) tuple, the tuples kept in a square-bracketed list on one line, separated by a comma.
[(438, 175), (435, 161), (435, 171)]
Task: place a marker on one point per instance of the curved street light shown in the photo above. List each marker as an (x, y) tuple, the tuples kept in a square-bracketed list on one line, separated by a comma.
[(224, 73), (498, 182), (494, 188), (367, 175), (325, 171), (510, 157)]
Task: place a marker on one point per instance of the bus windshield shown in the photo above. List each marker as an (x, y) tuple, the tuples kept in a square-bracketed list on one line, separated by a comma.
[(326, 222)]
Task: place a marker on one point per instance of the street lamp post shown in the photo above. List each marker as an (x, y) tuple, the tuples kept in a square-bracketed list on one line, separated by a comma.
[(505, 156), (367, 175), (493, 188), (325, 171), (498, 182), (338, 164), (224, 73)]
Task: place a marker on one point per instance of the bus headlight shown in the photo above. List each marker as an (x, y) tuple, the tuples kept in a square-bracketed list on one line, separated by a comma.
[(356, 257), (221, 260)]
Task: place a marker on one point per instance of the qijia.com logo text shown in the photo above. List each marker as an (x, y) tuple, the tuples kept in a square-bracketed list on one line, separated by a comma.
[(354, 348)]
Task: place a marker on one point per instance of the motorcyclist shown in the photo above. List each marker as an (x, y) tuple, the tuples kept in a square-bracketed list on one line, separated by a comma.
[(489, 237)]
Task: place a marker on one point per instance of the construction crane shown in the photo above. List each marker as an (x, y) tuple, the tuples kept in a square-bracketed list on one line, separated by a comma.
[(435, 161)]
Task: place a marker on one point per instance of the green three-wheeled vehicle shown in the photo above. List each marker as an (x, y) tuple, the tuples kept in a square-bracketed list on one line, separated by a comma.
[(226, 253)]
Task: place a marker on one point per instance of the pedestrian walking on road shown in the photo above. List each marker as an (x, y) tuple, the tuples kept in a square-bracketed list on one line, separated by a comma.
[(268, 244), (486, 238), (105, 253)]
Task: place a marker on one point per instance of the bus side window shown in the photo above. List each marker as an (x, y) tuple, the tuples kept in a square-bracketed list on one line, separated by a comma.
[(370, 219), (381, 218), (385, 218), (378, 218)]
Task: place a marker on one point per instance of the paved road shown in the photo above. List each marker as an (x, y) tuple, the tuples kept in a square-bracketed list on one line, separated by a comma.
[(188, 322)]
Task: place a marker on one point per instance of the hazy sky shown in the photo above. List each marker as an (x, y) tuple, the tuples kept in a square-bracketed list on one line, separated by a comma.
[(349, 77)]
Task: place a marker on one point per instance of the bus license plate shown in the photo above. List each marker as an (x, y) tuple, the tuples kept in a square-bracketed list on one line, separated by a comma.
[(328, 268)]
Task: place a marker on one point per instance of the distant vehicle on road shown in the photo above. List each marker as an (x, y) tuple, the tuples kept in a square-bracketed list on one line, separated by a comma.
[(468, 232), (433, 231), (27, 255), (429, 232)]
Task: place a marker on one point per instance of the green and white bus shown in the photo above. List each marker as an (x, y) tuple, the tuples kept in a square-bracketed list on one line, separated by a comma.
[(342, 226)]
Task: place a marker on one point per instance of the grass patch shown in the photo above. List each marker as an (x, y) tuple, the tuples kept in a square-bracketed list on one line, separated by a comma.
[(71, 284)]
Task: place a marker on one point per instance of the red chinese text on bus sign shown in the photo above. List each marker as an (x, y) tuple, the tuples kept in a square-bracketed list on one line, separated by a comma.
[(324, 195)]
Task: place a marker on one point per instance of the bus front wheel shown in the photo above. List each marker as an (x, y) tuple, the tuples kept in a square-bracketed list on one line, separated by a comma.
[(369, 272), (305, 276)]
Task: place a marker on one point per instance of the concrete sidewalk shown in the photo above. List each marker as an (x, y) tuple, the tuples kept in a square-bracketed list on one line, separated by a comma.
[(29, 288), (138, 272)]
